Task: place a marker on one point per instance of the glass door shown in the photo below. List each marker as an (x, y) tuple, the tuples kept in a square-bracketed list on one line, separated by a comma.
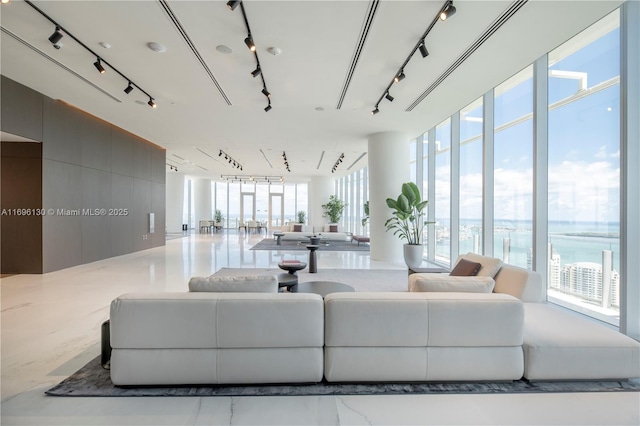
[(276, 210), (248, 207)]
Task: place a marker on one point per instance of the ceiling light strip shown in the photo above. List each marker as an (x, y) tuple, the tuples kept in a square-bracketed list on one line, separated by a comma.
[(495, 26), (320, 162), (61, 65), (100, 58), (366, 27), (399, 76), (266, 159), (210, 156), (357, 159), (193, 48)]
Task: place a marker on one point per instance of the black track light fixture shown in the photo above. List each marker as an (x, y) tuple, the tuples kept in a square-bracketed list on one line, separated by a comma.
[(256, 72), (448, 12), (151, 103), (399, 77), (250, 44), (266, 92), (268, 107), (232, 4), (423, 50), (234, 163), (98, 65), (220, 153), (56, 36)]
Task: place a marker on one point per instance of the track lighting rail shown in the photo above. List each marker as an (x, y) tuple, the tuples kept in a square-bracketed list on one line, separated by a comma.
[(230, 159), (445, 11), (232, 5), (59, 29)]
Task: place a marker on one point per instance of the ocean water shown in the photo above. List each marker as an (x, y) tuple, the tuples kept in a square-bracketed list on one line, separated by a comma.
[(573, 241)]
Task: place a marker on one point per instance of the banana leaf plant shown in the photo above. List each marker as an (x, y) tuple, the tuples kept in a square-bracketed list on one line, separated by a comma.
[(408, 221)]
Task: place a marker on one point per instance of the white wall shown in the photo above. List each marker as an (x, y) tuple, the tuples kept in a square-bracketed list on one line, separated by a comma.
[(174, 202)]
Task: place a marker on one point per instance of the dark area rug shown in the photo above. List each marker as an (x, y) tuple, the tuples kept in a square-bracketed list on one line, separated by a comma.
[(270, 244), (93, 380)]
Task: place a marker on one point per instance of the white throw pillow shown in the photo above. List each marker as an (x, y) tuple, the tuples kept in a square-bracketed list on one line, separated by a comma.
[(447, 283), (244, 284), (490, 265)]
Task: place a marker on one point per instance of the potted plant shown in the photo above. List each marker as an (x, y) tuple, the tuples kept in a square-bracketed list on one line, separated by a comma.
[(302, 216), (365, 219), (217, 216), (408, 222), (333, 209)]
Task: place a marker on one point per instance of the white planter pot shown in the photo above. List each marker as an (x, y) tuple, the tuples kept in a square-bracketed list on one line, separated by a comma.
[(413, 255)]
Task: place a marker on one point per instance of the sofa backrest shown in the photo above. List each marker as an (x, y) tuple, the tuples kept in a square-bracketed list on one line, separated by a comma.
[(519, 282), (241, 284), (216, 320), (400, 319)]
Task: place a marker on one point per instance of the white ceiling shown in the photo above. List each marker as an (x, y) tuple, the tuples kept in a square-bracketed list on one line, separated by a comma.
[(318, 40)]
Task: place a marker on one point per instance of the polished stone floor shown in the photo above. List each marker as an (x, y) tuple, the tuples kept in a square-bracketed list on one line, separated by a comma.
[(51, 326)]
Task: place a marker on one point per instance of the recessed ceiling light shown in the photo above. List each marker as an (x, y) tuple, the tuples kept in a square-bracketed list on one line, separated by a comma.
[(319, 109), (156, 47), (105, 45), (224, 49), (275, 51)]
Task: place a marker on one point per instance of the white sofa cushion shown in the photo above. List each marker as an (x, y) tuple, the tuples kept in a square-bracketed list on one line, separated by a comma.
[(243, 284), (562, 345), (519, 282), (490, 265), (446, 283)]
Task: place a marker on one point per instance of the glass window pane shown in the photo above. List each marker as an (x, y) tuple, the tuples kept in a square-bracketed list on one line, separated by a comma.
[(443, 192), (513, 173), (584, 171), (470, 229)]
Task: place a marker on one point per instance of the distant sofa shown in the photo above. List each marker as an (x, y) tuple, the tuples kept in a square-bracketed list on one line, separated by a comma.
[(302, 232)]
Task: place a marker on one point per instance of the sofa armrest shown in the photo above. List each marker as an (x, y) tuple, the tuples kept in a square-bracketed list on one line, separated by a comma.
[(446, 283)]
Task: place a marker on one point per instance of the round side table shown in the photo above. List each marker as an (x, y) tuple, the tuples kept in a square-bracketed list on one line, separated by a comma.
[(313, 264)]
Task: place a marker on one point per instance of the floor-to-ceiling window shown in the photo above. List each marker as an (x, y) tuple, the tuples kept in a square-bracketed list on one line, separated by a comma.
[(443, 192), (584, 171), (513, 169), (470, 227)]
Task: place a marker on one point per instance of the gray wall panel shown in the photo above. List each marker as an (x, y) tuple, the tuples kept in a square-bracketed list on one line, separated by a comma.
[(95, 136), (122, 152), (89, 164), (121, 225), (158, 165), (158, 196), (21, 109), (61, 233), (142, 158), (96, 197), (141, 210), (61, 140)]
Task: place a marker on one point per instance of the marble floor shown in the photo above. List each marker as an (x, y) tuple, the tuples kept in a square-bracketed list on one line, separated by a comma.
[(51, 327)]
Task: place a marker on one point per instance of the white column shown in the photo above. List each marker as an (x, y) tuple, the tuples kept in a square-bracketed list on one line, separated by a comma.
[(202, 200), (320, 189), (388, 170), (174, 202)]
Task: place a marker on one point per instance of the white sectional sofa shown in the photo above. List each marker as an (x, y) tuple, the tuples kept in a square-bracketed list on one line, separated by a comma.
[(504, 333)]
